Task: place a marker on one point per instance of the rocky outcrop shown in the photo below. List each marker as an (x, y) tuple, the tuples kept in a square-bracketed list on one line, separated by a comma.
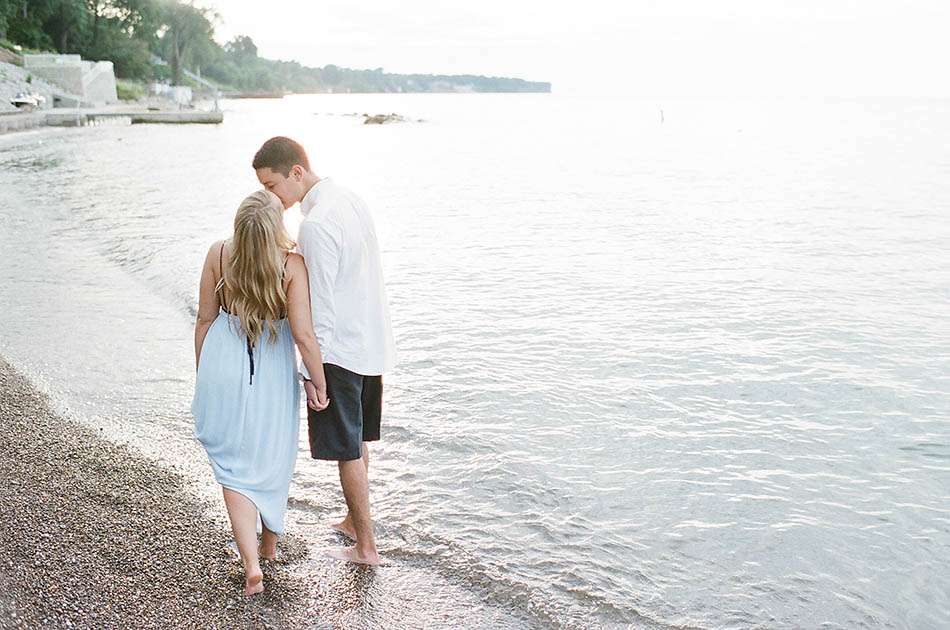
[(383, 119)]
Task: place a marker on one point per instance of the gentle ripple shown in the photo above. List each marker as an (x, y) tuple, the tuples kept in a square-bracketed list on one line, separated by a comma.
[(692, 374)]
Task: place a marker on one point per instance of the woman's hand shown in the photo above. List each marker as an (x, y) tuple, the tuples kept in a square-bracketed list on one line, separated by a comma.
[(316, 395)]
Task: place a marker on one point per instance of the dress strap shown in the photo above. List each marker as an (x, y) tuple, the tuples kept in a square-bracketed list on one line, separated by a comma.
[(221, 277)]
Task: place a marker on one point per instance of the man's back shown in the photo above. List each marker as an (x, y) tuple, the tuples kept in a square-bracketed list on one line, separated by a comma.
[(348, 295)]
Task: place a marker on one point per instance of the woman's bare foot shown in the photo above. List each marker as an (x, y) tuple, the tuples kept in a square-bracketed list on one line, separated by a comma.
[(346, 528), (254, 583), (350, 554), (266, 553)]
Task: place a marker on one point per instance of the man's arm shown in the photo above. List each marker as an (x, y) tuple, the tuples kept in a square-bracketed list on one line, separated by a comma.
[(320, 249)]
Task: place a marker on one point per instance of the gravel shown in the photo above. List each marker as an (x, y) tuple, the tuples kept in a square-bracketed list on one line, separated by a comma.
[(93, 535)]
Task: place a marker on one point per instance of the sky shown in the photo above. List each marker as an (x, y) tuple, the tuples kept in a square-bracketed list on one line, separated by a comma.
[(637, 47)]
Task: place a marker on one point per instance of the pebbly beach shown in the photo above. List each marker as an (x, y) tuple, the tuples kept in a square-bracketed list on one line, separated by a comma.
[(97, 534), (94, 535)]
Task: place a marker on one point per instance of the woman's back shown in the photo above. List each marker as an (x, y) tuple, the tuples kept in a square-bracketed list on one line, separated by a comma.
[(247, 395), (221, 285)]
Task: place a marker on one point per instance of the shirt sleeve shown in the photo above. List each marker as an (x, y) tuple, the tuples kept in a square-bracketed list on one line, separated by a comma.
[(320, 249)]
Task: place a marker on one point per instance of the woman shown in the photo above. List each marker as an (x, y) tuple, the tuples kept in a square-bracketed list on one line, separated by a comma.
[(254, 305)]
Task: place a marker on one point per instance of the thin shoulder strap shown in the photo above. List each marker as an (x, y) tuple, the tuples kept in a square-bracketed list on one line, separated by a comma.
[(221, 276), (283, 272)]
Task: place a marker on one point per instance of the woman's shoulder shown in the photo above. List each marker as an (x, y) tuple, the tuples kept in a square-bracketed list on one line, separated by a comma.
[(295, 260), (294, 266), (214, 253), (215, 249)]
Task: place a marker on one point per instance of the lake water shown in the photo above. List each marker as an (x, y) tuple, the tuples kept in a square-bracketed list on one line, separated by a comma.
[(661, 363)]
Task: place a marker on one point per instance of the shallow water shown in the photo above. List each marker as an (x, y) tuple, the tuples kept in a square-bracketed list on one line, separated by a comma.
[(654, 374)]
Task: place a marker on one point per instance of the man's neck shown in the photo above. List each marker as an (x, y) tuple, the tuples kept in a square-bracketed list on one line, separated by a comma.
[(309, 181)]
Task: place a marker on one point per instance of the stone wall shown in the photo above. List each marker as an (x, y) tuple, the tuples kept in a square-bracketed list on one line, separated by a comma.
[(14, 79), (21, 122), (92, 81), (99, 83)]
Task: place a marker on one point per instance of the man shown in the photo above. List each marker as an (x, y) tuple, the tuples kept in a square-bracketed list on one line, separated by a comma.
[(351, 320)]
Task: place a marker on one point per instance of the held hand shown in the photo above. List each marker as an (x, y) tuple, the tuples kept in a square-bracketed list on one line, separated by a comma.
[(316, 395)]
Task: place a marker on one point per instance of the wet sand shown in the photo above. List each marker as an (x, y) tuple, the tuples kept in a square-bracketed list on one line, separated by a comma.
[(95, 535)]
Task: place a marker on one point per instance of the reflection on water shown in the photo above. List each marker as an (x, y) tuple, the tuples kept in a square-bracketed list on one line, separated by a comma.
[(683, 374)]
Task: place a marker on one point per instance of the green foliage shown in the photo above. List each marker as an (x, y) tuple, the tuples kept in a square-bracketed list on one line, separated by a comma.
[(130, 56), (130, 90), (130, 32), (188, 38), (23, 22)]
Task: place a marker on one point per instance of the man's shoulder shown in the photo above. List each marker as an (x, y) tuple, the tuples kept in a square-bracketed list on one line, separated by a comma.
[(345, 197), (315, 229)]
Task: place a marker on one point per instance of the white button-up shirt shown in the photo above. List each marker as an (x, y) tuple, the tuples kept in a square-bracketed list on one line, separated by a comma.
[(347, 297)]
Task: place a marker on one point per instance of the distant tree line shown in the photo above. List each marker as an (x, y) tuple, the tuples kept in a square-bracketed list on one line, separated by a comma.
[(133, 33)]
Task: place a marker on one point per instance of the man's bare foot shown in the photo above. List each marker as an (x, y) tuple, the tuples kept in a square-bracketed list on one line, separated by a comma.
[(254, 583), (267, 554), (349, 554), (346, 528)]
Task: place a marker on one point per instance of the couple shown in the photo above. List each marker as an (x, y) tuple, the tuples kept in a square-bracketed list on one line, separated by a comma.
[(258, 300)]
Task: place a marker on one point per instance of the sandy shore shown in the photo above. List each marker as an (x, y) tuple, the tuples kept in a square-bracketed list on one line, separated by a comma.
[(94, 535)]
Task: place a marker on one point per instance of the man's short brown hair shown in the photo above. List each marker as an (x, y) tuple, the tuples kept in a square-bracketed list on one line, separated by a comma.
[(280, 154)]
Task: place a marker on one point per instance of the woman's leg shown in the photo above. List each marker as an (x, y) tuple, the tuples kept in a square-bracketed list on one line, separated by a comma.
[(243, 516), (268, 550)]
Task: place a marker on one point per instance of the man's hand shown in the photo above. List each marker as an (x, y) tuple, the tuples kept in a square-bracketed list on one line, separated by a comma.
[(316, 395)]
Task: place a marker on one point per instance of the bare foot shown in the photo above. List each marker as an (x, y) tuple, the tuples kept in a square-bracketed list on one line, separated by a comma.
[(349, 554), (346, 528), (267, 554), (254, 583)]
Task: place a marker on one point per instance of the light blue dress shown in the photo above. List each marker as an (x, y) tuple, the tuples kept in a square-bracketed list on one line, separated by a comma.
[(246, 410)]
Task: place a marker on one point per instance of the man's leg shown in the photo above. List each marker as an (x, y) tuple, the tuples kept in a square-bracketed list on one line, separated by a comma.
[(345, 526), (356, 492), (338, 433)]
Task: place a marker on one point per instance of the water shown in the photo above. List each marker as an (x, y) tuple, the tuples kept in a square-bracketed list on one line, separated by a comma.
[(693, 372)]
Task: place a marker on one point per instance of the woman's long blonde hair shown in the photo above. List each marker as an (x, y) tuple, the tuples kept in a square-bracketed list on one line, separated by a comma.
[(255, 272)]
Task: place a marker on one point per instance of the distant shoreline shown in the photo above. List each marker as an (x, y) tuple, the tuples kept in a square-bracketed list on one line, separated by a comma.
[(279, 95)]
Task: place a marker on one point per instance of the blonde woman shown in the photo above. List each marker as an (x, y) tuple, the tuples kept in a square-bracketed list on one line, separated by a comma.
[(253, 307)]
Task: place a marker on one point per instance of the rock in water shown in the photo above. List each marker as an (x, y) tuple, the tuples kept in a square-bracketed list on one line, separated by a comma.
[(382, 119)]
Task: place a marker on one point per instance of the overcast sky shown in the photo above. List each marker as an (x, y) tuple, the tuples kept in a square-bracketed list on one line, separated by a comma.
[(646, 47)]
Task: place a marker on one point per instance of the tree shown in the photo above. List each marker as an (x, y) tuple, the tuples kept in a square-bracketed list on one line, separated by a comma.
[(7, 10), (188, 36), (66, 24), (242, 49), (25, 19)]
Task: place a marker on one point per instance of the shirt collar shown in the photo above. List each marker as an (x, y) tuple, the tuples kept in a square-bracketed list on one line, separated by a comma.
[(313, 196)]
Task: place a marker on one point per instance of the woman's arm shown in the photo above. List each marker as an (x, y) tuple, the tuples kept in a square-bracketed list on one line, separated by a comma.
[(208, 304), (301, 327)]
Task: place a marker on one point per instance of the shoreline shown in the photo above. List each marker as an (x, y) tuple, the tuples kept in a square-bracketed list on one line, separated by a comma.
[(14, 122), (95, 535)]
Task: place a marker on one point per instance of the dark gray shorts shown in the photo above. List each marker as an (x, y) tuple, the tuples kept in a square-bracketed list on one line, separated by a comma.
[(353, 417)]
